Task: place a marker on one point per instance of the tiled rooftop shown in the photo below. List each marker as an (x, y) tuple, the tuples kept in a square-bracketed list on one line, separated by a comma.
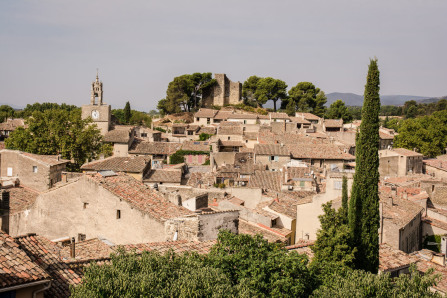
[(16, 267), (436, 163), (266, 180), (229, 130), (12, 124), (87, 250), (406, 152), (120, 134), (270, 235), (205, 113), (141, 196), (167, 176), (271, 149), (196, 146), (45, 253), (274, 115), (159, 148), (208, 130), (47, 160), (391, 259), (133, 164), (307, 116), (401, 212), (285, 203), (242, 116), (319, 151), (21, 198), (222, 115), (333, 122)]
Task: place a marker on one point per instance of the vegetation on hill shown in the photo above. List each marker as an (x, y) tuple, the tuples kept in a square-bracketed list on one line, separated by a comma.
[(59, 131), (132, 117), (338, 110), (185, 93), (242, 266)]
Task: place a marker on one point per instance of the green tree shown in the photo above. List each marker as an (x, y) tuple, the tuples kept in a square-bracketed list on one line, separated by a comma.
[(440, 105), (338, 110), (249, 88), (334, 242), (427, 134), (344, 199), (364, 204), (358, 283), (270, 89), (58, 132), (127, 113), (305, 97), (6, 112)]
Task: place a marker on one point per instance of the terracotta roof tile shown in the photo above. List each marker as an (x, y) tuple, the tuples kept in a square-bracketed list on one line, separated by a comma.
[(266, 180), (45, 253), (333, 122), (141, 196), (271, 149), (307, 116), (48, 160), (205, 113), (319, 151), (222, 115), (242, 116), (21, 198), (16, 267), (286, 202), (133, 164), (12, 124), (159, 148), (406, 152), (401, 212), (436, 163), (274, 115), (121, 134), (167, 176), (88, 249), (208, 130), (391, 259)]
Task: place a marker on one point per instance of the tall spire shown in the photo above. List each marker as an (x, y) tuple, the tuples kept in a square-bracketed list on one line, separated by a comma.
[(97, 76)]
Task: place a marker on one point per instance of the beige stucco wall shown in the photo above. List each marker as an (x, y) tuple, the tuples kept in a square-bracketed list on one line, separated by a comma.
[(435, 172), (103, 122), (276, 165), (60, 213), (120, 149), (22, 167)]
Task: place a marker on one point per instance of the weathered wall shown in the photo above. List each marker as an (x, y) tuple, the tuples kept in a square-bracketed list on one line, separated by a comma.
[(276, 165), (251, 196), (103, 122), (223, 158), (86, 208), (435, 172), (246, 213), (22, 167), (120, 149)]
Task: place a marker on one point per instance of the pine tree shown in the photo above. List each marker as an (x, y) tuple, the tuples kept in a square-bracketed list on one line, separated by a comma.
[(127, 113), (364, 218)]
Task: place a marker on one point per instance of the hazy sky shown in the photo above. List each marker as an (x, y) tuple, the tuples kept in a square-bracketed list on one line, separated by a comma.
[(50, 49)]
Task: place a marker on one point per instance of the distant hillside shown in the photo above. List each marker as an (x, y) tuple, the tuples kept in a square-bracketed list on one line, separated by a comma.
[(433, 99), (352, 99), (12, 106)]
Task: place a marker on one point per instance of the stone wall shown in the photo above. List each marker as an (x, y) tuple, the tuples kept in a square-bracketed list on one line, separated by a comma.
[(222, 93), (276, 165), (105, 116), (202, 227), (22, 167), (83, 207)]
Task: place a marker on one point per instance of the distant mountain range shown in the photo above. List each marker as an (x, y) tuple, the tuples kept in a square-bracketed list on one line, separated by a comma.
[(12, 106), (352, 99)]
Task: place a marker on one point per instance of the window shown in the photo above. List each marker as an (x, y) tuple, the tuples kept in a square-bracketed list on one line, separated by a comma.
[(118, 214), (337, 184), (208, 120), (34, 169), (144, 135), (9, 172), (85, 206), (197, 119), (81, 237), (274, 158)]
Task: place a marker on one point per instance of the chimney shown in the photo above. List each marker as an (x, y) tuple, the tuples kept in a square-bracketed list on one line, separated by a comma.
[(390, 200), (64, 177), (277, 199), (4, 211), (72, 248)]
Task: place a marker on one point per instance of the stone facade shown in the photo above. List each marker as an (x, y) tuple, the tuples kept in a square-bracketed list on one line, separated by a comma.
[(202, 227), (84, 207), (31, 170), (223, 93), (394, 164)]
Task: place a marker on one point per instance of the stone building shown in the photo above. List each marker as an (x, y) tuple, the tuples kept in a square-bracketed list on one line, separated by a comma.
[(222, 93), (399, 162), (98, 110), (275, 156), (40, 172)]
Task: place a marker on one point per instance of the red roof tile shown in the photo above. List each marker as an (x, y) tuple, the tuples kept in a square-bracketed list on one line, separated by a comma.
[(132, 164)]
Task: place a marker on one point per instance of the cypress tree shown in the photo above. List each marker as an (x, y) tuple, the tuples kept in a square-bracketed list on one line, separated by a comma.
[(127, 113), (364, 218), (344, 198)]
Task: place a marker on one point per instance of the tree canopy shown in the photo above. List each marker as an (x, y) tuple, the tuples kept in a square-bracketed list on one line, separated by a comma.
[(249, 88), (58, 132), (338, 110), (185, 93), (270, 89), (305, 97)]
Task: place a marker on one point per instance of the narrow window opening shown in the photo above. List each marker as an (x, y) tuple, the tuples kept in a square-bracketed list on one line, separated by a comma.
[(118, 214), (85, 205), (34, 169)]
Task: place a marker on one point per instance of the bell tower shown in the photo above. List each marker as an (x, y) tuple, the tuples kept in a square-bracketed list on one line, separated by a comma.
[(96, 91), (97, 110)]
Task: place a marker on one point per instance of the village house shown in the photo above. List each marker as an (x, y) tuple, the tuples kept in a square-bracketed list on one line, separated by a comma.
[(278, 117), (398, 162), (167, 177), (323, 155), (274, 156), (159, 152), (121, 137), (435, 167), (11, 124), (331, 125), (135, 166), (37, 171), (243, 118), (148, 134), (308, 116)]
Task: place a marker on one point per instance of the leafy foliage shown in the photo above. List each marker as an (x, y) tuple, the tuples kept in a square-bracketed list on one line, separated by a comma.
[(432, 239), (58, 132), (305, 97), (358, 283), (179, 156), (204, 136), (127, 113), (364, 204), (270, 89), (428, 134), (136, 117), (6, 112), (338, 110), (185, 93), (334, 242), (249, 88)]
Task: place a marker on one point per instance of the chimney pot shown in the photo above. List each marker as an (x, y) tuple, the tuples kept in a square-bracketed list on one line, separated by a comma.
[(72, 248)]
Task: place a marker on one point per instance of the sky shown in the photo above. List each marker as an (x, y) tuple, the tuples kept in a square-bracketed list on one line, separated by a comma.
[(50, 49)]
